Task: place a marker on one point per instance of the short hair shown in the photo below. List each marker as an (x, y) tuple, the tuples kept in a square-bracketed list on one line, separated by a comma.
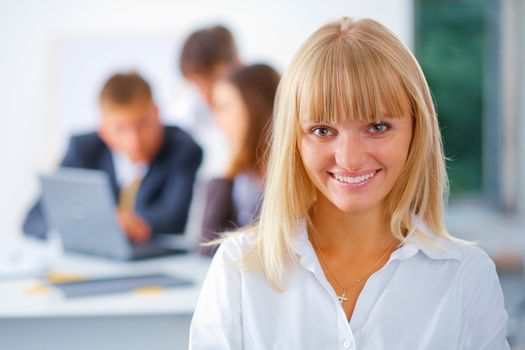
[(347, 70), (125, 89), (257, 85), (206, 48)]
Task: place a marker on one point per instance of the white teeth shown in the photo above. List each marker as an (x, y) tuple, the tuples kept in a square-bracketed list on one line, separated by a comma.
[(354, 180)]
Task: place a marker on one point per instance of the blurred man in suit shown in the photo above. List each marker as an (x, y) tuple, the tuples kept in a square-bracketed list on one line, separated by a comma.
[(151, 167)]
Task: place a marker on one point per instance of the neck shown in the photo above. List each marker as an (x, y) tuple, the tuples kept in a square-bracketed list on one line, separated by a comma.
[(350, 234)]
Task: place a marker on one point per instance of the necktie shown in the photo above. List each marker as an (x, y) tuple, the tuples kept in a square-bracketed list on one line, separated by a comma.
[(128, 194)]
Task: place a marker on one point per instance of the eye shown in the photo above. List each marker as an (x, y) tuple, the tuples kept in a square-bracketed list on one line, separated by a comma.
[(379, 128), (322, 131)]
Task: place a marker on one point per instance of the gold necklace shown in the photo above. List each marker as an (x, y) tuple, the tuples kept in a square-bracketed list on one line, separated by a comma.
[(342, 297)]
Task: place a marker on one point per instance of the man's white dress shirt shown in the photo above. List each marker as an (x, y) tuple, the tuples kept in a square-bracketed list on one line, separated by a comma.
[(127, 171), (443, 296)]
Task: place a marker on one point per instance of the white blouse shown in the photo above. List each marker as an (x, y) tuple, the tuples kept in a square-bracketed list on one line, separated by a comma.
[(434, 297)]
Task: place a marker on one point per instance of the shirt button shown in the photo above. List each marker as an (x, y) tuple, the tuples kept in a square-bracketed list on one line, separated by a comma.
[(347, 344)]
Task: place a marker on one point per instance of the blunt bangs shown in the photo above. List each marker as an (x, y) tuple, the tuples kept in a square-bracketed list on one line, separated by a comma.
[(346, 81)]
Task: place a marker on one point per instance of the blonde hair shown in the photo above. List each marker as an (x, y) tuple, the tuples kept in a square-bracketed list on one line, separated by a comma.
[(347, 69)]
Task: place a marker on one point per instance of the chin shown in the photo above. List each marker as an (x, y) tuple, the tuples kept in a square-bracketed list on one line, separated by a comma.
[(354, 206), (354, 209), (139, 159)]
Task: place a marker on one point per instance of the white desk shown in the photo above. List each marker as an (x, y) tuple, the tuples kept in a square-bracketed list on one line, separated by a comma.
[(157, 320)]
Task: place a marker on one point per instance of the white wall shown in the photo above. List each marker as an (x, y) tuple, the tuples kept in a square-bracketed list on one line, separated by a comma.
[(34, 35), (520, 108)]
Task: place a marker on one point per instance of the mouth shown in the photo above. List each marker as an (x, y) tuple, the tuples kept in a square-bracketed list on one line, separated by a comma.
[(355, 181)]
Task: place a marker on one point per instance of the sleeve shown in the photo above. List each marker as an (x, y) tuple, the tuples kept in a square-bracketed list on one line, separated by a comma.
[(218, 213), (217, 321), (169, 212), (35, 224), (484, 324)]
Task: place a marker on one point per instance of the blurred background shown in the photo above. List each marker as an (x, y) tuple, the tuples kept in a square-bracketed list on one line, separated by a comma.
[(55, 56), (472, 53)]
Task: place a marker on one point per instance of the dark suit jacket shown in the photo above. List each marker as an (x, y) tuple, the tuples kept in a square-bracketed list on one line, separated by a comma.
[(165, 192), (220, 213)]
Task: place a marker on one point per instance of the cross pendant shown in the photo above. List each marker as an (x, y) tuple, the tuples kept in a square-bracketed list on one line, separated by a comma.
[(342, 298)]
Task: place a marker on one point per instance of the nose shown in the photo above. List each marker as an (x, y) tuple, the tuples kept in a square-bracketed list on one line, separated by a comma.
[(352, 152), (133, 141)]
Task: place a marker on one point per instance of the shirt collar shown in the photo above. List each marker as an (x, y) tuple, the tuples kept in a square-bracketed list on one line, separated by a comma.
[(127, 171), (304, 249), (421, 239)]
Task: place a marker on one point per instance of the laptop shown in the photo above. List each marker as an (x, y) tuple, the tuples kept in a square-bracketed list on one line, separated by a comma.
[(79, 205)]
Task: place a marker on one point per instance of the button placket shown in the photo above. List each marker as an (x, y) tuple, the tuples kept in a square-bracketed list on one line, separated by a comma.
[(346, 336), (347, 344)]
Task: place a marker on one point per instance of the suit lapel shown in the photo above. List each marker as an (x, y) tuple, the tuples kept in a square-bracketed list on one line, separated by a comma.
[(155, 174), (151, 180), (108, 166)]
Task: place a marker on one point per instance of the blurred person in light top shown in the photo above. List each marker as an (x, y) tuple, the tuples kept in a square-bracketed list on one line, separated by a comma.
[(243, 106), (206, 55)]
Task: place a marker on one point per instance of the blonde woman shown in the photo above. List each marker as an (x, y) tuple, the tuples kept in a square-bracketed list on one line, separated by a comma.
[(351, 251)]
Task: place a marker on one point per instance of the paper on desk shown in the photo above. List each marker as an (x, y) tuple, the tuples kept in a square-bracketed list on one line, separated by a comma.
[(53, 277), (29, 257), (22, 263)]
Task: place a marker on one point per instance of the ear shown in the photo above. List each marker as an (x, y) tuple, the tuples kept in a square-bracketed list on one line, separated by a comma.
[(155, 112)]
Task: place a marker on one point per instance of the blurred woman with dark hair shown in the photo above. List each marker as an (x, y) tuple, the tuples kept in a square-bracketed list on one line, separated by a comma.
[(242, 103)]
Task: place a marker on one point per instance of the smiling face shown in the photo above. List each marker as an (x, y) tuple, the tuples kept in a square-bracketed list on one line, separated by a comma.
[(354, 122), (355, 163)]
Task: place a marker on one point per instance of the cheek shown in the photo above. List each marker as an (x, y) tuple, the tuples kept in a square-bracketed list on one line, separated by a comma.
[(316, 158), (238, 126), (394, 155), (230, 126), (117, 137), (232, 121), (242, 121)]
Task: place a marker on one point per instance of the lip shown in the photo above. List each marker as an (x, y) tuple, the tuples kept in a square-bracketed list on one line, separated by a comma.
[(354, 174), (355, 186)]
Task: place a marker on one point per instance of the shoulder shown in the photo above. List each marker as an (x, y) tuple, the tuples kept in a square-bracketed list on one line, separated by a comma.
[(86, 139), (176, 137), (471, 265), (230, 258), (226, 271), (235, 247), (86, 145), (472, 254), (219, 185), (484, 317), (468, 271), (448, 247), (180, 147), (476, 266), (468, 253)]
